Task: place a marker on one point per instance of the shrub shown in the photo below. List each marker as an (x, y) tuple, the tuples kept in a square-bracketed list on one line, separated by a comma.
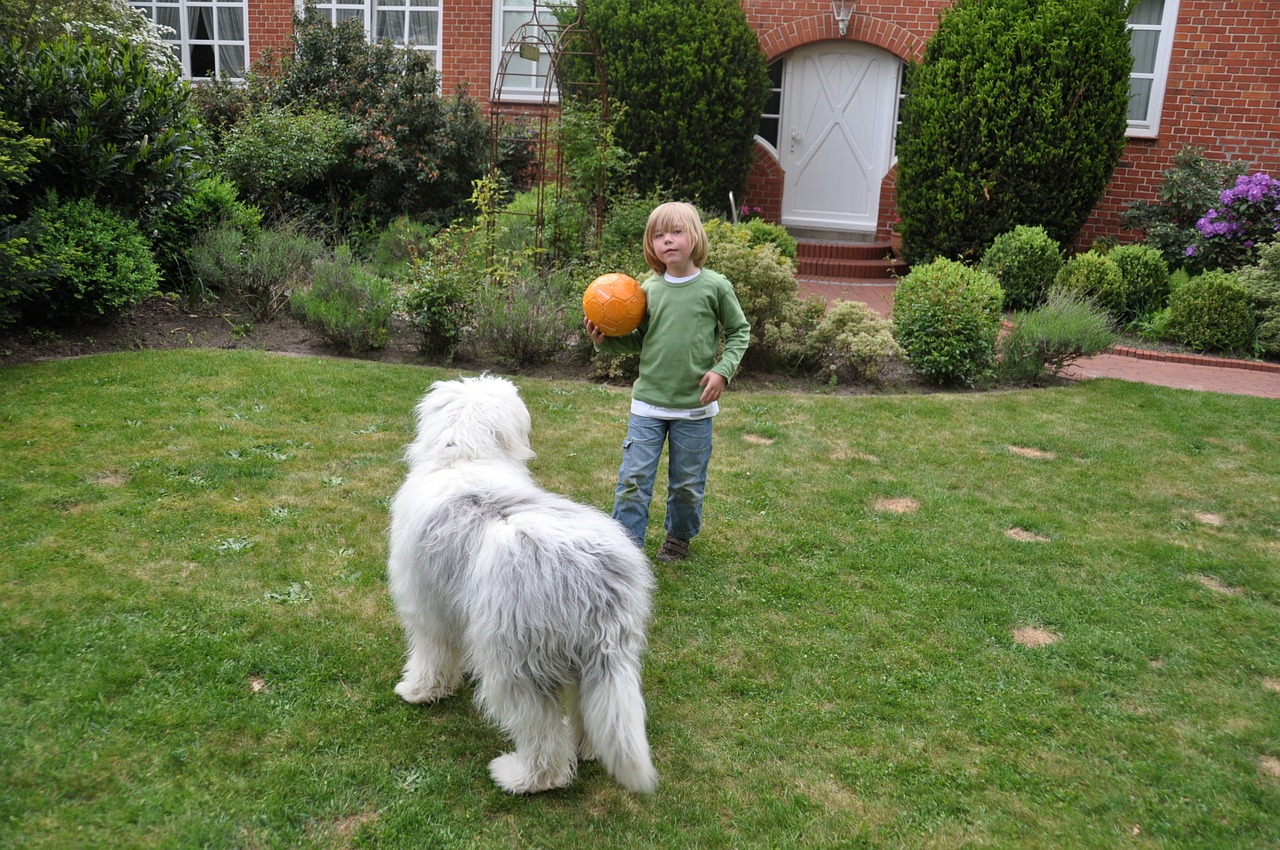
[(765, 282), (103, 263), (1145, 277), (1261, 282), (1095, 277), (351, 307), (1190, 187), (1043, 91), (946, 317), (19, 269), (853, 341), (399, 241), (762, 232), (1211, 312), (118, 127), (525, 324), (694, 59), (437, 297), (1046, 340), (212, 201), (1247, 215), (291, 164), (258, 272), (622, 236), (1024, 261)]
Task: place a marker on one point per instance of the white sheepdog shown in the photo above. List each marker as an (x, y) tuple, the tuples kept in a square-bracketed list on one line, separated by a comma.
[(544, 602)]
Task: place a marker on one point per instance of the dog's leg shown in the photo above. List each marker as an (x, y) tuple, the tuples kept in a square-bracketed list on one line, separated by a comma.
[(432, 671), (569, 698), (544, 757)]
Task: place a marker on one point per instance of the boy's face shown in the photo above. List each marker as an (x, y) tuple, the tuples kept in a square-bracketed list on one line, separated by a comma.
[(672, 247)]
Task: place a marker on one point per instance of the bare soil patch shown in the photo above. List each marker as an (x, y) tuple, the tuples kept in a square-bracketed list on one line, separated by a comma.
[(1034, 637), (1027, 451), (1024, 536), (898, 506), (1218, 586)]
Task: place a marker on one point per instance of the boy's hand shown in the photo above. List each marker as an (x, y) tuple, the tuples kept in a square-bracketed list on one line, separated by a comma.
[(713, 384), (597, 335)]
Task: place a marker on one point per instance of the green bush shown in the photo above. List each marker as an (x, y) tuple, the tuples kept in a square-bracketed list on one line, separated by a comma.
[(762, 232), (693, 81), (350, 306), (1046, 340), (946, 317), (1212, 312), (1095, 277), (1261, 282), (212, 201), (19, 269), (853, 342), (622, 236), (437, 297), (1024, 261), (291, 164), (1190, 187), (1016, 115), (398, 242), (260, 271), (525, 324), (119, 129), (763, 279), (103, 263), (1145, 277)]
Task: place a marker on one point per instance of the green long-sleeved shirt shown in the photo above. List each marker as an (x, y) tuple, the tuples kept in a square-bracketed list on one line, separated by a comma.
[(679, 338)]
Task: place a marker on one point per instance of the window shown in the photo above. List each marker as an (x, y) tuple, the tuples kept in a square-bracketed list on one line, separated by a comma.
[(407, 23), (533, 21), (771, 119), (1151, 42), (209, 37)]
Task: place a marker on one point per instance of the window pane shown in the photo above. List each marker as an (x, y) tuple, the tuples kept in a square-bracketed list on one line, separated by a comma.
[(1144, 44), (391, 26), (769, 130), (422, 28), (200, 24), (168, 16), (232, 60), (202, 60), (1147, 12), (1139, 99), (230, 24)]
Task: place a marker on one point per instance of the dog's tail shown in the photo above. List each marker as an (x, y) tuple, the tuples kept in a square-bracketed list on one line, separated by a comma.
[(613, 717)]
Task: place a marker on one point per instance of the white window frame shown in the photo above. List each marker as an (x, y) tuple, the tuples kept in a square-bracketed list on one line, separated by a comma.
[(181, 40), (1158, 77), (367, 12), (525, 80)]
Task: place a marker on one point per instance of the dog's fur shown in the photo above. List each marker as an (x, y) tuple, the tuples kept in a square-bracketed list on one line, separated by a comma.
[(539, 599)]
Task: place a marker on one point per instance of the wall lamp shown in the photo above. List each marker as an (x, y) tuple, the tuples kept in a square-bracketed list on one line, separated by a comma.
[(843, 10)]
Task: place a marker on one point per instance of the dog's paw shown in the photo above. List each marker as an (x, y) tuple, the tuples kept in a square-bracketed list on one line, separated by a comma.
[(514, 776), (417, 692)]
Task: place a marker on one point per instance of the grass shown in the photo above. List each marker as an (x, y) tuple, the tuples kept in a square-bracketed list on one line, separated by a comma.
[(199, 651)]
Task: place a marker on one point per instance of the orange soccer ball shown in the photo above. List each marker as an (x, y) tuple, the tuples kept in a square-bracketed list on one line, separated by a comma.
[(614, 303)]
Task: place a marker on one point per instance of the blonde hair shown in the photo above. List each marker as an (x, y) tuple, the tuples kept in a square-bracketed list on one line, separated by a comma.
[(675, 216)]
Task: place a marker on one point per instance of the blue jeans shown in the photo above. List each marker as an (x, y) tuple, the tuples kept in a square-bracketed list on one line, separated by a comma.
[(690, 451)]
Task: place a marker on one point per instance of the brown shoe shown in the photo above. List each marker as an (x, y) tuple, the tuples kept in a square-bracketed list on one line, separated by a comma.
[(673, 549)]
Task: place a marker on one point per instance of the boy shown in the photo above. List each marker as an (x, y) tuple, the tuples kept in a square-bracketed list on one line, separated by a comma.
[(681, 378)]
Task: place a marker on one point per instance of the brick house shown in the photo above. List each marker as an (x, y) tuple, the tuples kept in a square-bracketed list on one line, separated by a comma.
[(1207, 73)]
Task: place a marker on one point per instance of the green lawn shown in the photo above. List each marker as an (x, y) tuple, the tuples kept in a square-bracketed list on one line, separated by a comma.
[(198, 648)]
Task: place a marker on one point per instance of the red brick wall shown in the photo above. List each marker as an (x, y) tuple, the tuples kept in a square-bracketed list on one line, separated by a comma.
[(1222, 92)]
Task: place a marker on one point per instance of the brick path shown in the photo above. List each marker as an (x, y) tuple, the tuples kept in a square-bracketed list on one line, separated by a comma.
[(1190, 372)]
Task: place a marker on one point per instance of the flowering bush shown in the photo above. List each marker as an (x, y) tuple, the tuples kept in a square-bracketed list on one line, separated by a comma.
[(1248, 215)]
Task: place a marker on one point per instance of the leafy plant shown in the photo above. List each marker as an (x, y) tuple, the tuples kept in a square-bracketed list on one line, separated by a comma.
[(1016, 115), (258, 271), (1211, 312), (1190, 187), (19, 269), (437, 297), (102, 264), (852, 341), (212, 201), (1024, 261), (946, 317), (119, 129), (762, 232), (1145, 277), (1095, 277), (524, 324), (1046, 340), (667, 61), (1246, 216), (350, 306), (1261, 281)]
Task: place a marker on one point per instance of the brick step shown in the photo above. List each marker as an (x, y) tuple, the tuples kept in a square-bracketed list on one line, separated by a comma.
[(848, 261)]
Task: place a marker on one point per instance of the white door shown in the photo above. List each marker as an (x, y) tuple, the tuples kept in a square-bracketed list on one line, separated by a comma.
[(839, 104)]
